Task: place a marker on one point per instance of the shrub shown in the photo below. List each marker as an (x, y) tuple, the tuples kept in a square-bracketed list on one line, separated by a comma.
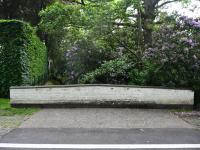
[(175, 55), (85, 56), (23, 58), (113, 72)]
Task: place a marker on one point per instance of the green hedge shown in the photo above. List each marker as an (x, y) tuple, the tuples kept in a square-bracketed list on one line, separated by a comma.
[(23, 57)]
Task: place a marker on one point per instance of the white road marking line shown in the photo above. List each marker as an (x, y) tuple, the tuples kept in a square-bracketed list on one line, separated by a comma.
[(100, 146)]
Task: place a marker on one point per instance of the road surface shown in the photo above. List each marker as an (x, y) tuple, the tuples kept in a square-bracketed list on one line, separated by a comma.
[(102, 129)]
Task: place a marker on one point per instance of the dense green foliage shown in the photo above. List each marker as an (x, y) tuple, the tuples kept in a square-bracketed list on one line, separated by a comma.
[(173, 60), (175, 54), (112, 72), (7, 110), (84, 35), (23, 57), (89, 28), (84, 57)]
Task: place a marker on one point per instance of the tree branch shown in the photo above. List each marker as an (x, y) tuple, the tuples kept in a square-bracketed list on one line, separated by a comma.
[(78, 2), (126, 47), (82, 2), (123, 24), (167, 2)]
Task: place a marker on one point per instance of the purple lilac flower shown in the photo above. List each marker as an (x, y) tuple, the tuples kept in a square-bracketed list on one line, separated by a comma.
[(197, 26), (189, 41), (190, 21), (150, 52), (195, 66), (183, 18)]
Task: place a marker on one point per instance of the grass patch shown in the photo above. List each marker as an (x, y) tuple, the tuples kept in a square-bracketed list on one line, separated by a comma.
[(7, 110)]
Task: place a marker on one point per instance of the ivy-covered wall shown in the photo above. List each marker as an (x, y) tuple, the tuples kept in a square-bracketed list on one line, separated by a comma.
[(23, 57)]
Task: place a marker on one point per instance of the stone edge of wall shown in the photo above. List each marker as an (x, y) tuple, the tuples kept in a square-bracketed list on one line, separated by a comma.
[(106, 85)]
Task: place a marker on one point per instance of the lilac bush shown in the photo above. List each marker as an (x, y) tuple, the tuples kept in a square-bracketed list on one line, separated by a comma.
[(175, 54), (82, 58)]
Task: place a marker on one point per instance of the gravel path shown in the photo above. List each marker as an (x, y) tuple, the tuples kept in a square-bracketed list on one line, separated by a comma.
[(104, 118), (192, 118)]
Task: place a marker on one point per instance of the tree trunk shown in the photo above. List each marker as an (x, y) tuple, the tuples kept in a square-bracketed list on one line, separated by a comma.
[(147, 18), (147, 31)]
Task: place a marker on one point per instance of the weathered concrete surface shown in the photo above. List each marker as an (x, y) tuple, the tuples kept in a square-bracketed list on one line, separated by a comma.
[(104, 118), (100, 94)]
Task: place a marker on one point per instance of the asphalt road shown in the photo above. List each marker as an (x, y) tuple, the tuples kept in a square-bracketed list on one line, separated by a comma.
[(101, 136), (102, 129)]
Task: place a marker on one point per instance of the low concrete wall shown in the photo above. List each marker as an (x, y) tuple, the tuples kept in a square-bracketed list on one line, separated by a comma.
[(100, 94)]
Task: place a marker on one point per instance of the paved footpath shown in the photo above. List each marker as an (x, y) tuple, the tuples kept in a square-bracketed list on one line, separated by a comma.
[(98, 128)]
